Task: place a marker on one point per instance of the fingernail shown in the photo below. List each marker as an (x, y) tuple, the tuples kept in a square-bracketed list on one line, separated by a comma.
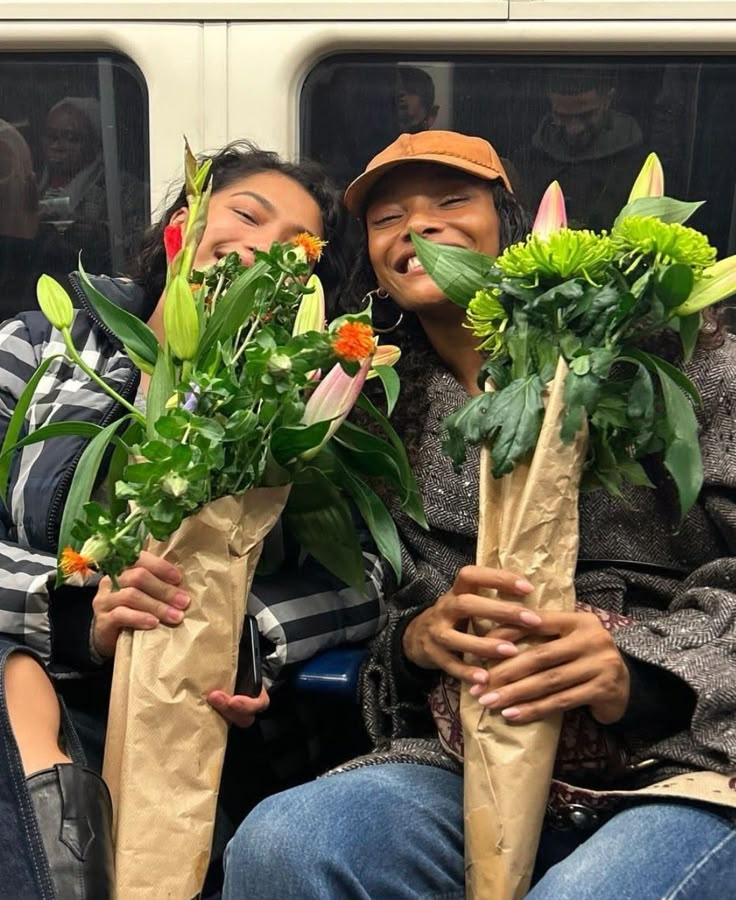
[(174, 616), (490, 699), (523, 585), (476, 690), (507, 649), (512, 712), (480, 677), (181, 600), (530, 618), (151, 621)]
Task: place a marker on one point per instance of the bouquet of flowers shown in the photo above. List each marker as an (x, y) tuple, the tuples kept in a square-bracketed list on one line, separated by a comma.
[(245, 420), (576, 398)]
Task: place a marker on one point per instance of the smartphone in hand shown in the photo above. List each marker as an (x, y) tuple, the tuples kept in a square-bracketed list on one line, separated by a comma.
[(249, 681)]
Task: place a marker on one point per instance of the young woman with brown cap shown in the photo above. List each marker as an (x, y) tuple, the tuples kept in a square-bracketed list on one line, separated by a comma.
[(390, 825)]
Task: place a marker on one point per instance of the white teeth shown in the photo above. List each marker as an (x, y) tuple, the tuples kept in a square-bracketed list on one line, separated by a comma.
[(412, 263)]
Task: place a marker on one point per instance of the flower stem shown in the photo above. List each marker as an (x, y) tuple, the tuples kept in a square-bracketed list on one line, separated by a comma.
[(88, 370)]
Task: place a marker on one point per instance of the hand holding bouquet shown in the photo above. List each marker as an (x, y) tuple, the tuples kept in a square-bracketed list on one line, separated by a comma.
[(577, 395)]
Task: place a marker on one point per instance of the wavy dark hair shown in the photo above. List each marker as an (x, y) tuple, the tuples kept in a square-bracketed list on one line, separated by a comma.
[(237, 160), (411, 409)]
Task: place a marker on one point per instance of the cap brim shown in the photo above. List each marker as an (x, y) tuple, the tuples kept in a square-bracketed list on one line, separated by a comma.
[(357, 191)]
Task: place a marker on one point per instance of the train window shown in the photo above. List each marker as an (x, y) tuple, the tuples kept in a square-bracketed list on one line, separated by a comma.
[(588, 122), (73, 168)]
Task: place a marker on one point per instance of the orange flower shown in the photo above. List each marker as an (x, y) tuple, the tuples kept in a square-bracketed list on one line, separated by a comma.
[(73, 563), (310, 245), (353, 341)]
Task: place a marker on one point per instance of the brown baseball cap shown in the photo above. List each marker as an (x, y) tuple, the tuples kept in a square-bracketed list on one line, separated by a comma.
[(447, 148)]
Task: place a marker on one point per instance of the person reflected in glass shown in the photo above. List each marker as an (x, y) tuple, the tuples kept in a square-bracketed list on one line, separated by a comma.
[(18, 220), (415, 100), (74, 192), (594, 151)]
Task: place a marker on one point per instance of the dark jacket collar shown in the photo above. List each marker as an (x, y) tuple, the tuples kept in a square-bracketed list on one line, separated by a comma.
[(121, 291)]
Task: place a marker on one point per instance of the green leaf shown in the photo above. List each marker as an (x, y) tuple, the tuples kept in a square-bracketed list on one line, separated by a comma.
[(675, 284), (468, 425), (160, 391), (665, 208), (57, 429), (459, 273), (659, 365), (288, 442), (232, 310), (516, 415), (319, 517), (634, 473), (129, 329), (412, 501), (682, 457), (376, 517), (689, 328), (581, 396), (83, 482), (391, 385), (18, 419)]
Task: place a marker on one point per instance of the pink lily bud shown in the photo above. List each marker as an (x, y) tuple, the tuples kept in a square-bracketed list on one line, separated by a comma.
[(385, 355), (311, 313), (332, 400), (551, 215), (650, 181)]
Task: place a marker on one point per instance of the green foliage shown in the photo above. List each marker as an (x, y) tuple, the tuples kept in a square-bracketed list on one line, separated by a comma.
[(228, 409), (592, 299)]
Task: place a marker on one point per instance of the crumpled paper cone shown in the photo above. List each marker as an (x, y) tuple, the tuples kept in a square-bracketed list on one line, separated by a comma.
[(165, 745), (528, 525)]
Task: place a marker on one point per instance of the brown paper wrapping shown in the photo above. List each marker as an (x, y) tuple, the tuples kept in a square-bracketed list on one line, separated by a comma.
[(529, 525), (165, 745)]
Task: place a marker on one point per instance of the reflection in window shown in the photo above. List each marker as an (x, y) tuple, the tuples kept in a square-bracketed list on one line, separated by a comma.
[(587, 123), (73, 168)]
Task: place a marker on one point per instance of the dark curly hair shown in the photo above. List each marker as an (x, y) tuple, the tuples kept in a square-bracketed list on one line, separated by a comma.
[(412, 407), (239, 160)]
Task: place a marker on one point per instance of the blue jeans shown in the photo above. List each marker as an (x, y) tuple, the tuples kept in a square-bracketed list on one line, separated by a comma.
[(395, 832)]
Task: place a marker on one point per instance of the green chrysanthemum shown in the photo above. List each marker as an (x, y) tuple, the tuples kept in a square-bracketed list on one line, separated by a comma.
[(568, 253), (488, 320), (645, 236)]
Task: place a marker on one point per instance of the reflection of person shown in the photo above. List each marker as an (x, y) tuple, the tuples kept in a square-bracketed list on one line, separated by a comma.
[(660, 683), (415, 104), (257, 199), (18, 220), (73, 189), (594, 151)]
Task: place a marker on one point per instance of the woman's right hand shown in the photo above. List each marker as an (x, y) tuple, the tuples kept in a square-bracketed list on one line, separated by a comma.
[(148, 594), (437, 638)]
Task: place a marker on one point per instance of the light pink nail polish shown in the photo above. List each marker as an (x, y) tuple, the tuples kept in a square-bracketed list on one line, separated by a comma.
[(489, 699), (530, 618), (512, 712)]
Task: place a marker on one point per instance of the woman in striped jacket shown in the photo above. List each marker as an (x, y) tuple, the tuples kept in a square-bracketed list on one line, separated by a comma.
[(55, 810)]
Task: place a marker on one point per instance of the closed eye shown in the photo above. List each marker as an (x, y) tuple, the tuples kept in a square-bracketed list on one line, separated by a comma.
[(246, 216), (453, 199), (386, 219)]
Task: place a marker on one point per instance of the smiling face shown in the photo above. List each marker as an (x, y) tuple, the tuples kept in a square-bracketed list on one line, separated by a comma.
[(253, 212), (440, 204)]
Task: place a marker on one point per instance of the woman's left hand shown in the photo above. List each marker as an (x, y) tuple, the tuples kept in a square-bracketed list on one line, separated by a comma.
[(579, 666), (238, 709)]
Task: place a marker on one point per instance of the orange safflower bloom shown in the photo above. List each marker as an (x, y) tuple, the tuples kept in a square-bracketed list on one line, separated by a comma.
[(73, 563), (353, 341), (310, 244)]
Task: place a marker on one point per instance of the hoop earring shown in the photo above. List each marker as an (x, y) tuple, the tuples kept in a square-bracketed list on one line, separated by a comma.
[(381, 294)]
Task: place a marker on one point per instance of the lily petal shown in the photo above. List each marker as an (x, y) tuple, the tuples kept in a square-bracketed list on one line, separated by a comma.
[(385, 355), (333, 399), (650, 181), (551, 215), (311, 313), (715, 284)]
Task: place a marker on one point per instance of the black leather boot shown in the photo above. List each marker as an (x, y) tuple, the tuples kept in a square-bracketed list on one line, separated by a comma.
[(74, 814)]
